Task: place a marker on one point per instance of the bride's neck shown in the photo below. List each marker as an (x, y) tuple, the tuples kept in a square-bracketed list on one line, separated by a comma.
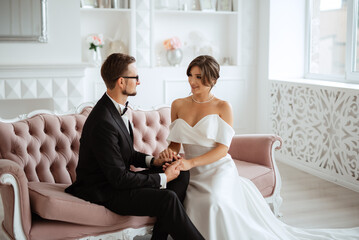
[(202, 97)]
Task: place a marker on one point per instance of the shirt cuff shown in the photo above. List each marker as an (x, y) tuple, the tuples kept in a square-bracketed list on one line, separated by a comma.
[(148, 161), (163, 180)]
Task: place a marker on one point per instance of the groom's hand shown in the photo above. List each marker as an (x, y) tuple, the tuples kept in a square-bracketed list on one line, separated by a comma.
[(159, 162), (173, 170), (166, 164)]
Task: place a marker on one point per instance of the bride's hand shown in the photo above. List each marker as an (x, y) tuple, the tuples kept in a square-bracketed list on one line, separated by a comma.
[(167, 155), (186, 164), (167, 164)]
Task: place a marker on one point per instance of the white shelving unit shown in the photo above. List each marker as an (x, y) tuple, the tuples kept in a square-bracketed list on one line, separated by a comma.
[(216, 34), (143, 28), (114, 24)]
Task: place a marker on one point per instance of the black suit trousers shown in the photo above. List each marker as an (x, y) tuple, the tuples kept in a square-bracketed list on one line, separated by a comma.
[(164, 204)]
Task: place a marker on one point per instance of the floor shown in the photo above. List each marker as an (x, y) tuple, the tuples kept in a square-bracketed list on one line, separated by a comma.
[(309, 202)]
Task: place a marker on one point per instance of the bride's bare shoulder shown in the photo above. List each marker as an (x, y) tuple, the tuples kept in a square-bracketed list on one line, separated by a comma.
[(176, 106), (180, 102), (224, 105), (225, 111)]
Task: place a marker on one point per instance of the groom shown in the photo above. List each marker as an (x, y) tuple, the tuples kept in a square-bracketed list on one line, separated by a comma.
[(106, 153)]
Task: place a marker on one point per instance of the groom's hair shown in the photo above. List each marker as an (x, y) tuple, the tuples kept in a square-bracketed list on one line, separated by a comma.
[(209, 69), (115, 66)]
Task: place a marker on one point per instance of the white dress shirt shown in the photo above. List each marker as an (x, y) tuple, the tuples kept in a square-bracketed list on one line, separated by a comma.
[(120, 108)]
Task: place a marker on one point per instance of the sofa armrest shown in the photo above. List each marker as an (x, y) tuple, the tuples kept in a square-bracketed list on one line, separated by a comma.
[(15, 197), (255, 148)]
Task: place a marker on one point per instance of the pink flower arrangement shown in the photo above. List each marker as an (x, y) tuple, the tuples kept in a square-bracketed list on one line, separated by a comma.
[(95, 41), (172, 43)]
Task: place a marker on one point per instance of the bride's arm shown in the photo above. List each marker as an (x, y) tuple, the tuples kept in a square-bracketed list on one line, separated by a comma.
[(171, 151), (215, 154), (173, 146)]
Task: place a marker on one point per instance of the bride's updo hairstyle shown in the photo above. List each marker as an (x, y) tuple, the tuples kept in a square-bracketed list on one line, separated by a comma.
[(209, 69)]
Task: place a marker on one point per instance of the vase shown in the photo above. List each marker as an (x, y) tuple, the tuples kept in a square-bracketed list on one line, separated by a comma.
[(95, 57), (174, 57)]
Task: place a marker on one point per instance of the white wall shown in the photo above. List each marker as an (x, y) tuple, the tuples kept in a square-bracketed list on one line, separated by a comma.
[(281, 50), (64, 39), (262, 76), (42, 60), (287, 38)]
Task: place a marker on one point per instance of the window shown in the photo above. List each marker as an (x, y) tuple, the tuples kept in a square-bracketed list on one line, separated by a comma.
[(333, 44), (356, 42)]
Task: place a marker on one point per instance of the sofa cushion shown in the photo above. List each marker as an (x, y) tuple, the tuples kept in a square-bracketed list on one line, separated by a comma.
[(50, 201), (262, 176)]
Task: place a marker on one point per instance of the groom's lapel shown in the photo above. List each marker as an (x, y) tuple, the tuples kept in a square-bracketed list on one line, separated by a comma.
[(131, 130), (119, 121)]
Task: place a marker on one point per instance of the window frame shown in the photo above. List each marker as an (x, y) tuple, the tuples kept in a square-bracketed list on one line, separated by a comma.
[(350, 76)]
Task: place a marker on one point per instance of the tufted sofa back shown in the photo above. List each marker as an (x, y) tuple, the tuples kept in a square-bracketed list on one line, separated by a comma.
[(46, 146), (150, 129)]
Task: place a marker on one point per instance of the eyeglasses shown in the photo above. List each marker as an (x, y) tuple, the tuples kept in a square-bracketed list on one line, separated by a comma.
[(137, 78)]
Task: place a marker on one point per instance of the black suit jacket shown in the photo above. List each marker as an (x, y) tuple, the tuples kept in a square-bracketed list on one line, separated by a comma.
[(106, 153)]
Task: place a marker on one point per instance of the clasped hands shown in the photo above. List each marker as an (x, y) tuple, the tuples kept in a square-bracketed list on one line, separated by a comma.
[(172, 163)]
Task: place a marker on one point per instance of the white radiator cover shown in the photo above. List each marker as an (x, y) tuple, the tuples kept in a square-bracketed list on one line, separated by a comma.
[(320, 129)]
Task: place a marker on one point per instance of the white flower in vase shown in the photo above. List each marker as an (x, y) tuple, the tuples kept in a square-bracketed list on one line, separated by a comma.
[(96, 42)]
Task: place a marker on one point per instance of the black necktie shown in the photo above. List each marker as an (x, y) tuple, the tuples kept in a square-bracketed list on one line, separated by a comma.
[(125, 109)]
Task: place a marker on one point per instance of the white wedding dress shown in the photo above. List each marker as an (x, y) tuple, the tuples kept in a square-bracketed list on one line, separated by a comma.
[(225, 206)]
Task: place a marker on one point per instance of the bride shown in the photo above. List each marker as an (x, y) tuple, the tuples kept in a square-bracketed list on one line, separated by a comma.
[(220, 203)]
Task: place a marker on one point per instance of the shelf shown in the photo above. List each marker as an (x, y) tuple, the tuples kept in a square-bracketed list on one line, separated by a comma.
[(196, 12), (103, 21), (197, 39), (226, 67), (105, 10)]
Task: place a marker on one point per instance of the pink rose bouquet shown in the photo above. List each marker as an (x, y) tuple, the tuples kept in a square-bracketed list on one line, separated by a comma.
[(172, 43)]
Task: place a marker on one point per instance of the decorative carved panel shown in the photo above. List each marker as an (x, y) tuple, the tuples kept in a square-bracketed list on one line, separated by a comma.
[(320, 129)]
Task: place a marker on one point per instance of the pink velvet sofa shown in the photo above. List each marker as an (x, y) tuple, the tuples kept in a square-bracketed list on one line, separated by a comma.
[(38, 158)]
